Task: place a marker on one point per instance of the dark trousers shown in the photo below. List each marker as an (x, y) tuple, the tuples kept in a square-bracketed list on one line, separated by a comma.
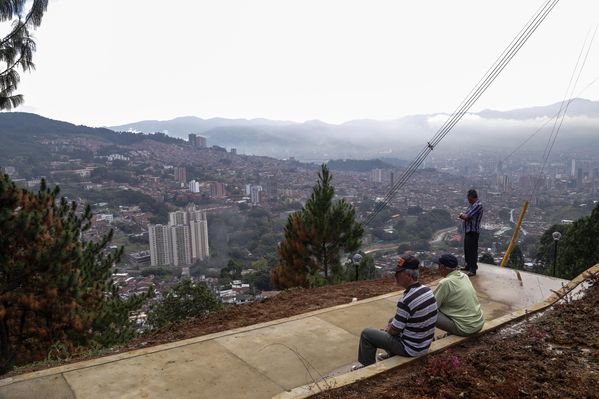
[(471, 250), (371, 339)]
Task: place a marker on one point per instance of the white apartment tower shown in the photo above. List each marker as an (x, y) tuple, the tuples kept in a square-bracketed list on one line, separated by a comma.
[(182, 241), (376, 175), (199, 235), (256, 194), (160, 245), (181, 244), (178, 217)]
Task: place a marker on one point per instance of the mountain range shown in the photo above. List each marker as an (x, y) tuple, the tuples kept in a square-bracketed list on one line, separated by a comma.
[(366, 138), (488, 130)]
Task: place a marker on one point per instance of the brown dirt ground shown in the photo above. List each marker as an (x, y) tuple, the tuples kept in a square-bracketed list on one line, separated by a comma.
[(286, 304), (552, 355)]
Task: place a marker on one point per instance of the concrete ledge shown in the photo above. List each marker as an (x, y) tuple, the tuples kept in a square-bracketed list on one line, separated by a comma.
[(177, 344), (437, 346)]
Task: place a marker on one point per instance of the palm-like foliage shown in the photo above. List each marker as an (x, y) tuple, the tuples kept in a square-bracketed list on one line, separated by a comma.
[(18, 46)]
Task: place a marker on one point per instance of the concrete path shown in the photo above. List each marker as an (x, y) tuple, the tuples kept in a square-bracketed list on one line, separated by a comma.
[(257, 361)]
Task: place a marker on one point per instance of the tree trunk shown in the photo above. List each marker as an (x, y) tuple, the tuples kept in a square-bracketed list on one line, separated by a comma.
[(325, 263)]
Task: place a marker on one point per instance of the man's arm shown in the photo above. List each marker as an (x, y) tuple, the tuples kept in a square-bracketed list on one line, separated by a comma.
[(441, 293), (398, 322), (471, 212), (391, 330)]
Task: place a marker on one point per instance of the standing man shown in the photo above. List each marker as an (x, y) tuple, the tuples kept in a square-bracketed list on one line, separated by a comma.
[(410, 332), (471, 220)]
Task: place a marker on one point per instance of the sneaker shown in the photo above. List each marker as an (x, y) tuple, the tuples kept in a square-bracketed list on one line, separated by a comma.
[(357, 367), (471, 274), (383, 356), (464, 269)]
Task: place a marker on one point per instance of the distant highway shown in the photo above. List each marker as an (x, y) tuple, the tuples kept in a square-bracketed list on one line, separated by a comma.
[(513, 221), (381, 247), (438, 236)]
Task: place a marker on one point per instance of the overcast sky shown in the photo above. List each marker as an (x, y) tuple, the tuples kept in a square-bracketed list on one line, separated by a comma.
[(109, 62)]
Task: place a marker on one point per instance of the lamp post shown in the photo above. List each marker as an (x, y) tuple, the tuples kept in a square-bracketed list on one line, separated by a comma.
[(556, 237), (356, 259)]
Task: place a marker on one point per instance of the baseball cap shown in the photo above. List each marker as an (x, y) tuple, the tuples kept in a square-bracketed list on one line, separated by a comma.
[(407, 262), (448, 260)]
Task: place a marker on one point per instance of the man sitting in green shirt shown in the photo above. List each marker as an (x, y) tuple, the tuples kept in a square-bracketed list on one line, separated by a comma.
[(459, 310)]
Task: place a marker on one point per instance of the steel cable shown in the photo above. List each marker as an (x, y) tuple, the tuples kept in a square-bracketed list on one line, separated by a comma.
[(491, 74)]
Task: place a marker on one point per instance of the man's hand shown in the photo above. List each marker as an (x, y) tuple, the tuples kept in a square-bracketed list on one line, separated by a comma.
[(392, 330)]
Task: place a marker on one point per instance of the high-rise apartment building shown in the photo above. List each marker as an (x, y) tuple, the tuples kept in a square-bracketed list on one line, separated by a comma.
[(180, 174), (201, 142), (376, 175), (256, 194), (197, 141), (178, 217), (217, 189), (160, 245), (194, 186), (199, 235), (180, 244), (182, 241)]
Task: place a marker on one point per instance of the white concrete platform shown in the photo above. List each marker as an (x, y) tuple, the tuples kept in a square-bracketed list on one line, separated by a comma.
[(257, 361)]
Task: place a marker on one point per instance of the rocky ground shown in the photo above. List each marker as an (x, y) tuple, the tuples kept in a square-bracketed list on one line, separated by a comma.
[(551, 355)]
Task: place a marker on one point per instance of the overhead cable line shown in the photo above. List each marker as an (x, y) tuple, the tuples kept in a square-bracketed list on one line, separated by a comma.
[(565, 105), (502, 61)]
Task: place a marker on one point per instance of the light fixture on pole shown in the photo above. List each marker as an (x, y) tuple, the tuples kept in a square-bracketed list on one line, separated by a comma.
[(356, 260), (556, 237)]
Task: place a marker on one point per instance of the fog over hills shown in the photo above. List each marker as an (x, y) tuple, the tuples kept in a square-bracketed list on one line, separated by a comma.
[(366, 138), (487, 131)]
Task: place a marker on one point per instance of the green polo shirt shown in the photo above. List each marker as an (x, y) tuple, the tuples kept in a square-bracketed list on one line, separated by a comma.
[(456, 299)]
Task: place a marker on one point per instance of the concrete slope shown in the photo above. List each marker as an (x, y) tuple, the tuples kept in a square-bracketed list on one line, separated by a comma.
[(257, 361)]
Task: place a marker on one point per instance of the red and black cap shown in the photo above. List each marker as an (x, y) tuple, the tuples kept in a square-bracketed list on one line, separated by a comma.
[(406, 262)]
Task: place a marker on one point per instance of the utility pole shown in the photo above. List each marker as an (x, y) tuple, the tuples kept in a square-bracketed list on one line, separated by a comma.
[(356, 259), (556, 237)]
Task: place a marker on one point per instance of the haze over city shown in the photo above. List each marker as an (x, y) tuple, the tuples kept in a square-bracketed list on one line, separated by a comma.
[(115, 62)]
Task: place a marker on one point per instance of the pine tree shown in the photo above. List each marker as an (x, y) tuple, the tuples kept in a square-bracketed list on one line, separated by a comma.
[(55, 289), (579, 247), (18, 46), (487, 258), (315, 236), (577, 250), (185, 300), (516, 259)]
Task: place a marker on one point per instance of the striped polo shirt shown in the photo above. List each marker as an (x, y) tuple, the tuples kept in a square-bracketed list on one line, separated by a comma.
[(415, 319), (475, 213)]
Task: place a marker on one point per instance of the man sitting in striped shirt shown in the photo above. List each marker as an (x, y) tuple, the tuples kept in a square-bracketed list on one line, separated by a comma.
[(411, 331)]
